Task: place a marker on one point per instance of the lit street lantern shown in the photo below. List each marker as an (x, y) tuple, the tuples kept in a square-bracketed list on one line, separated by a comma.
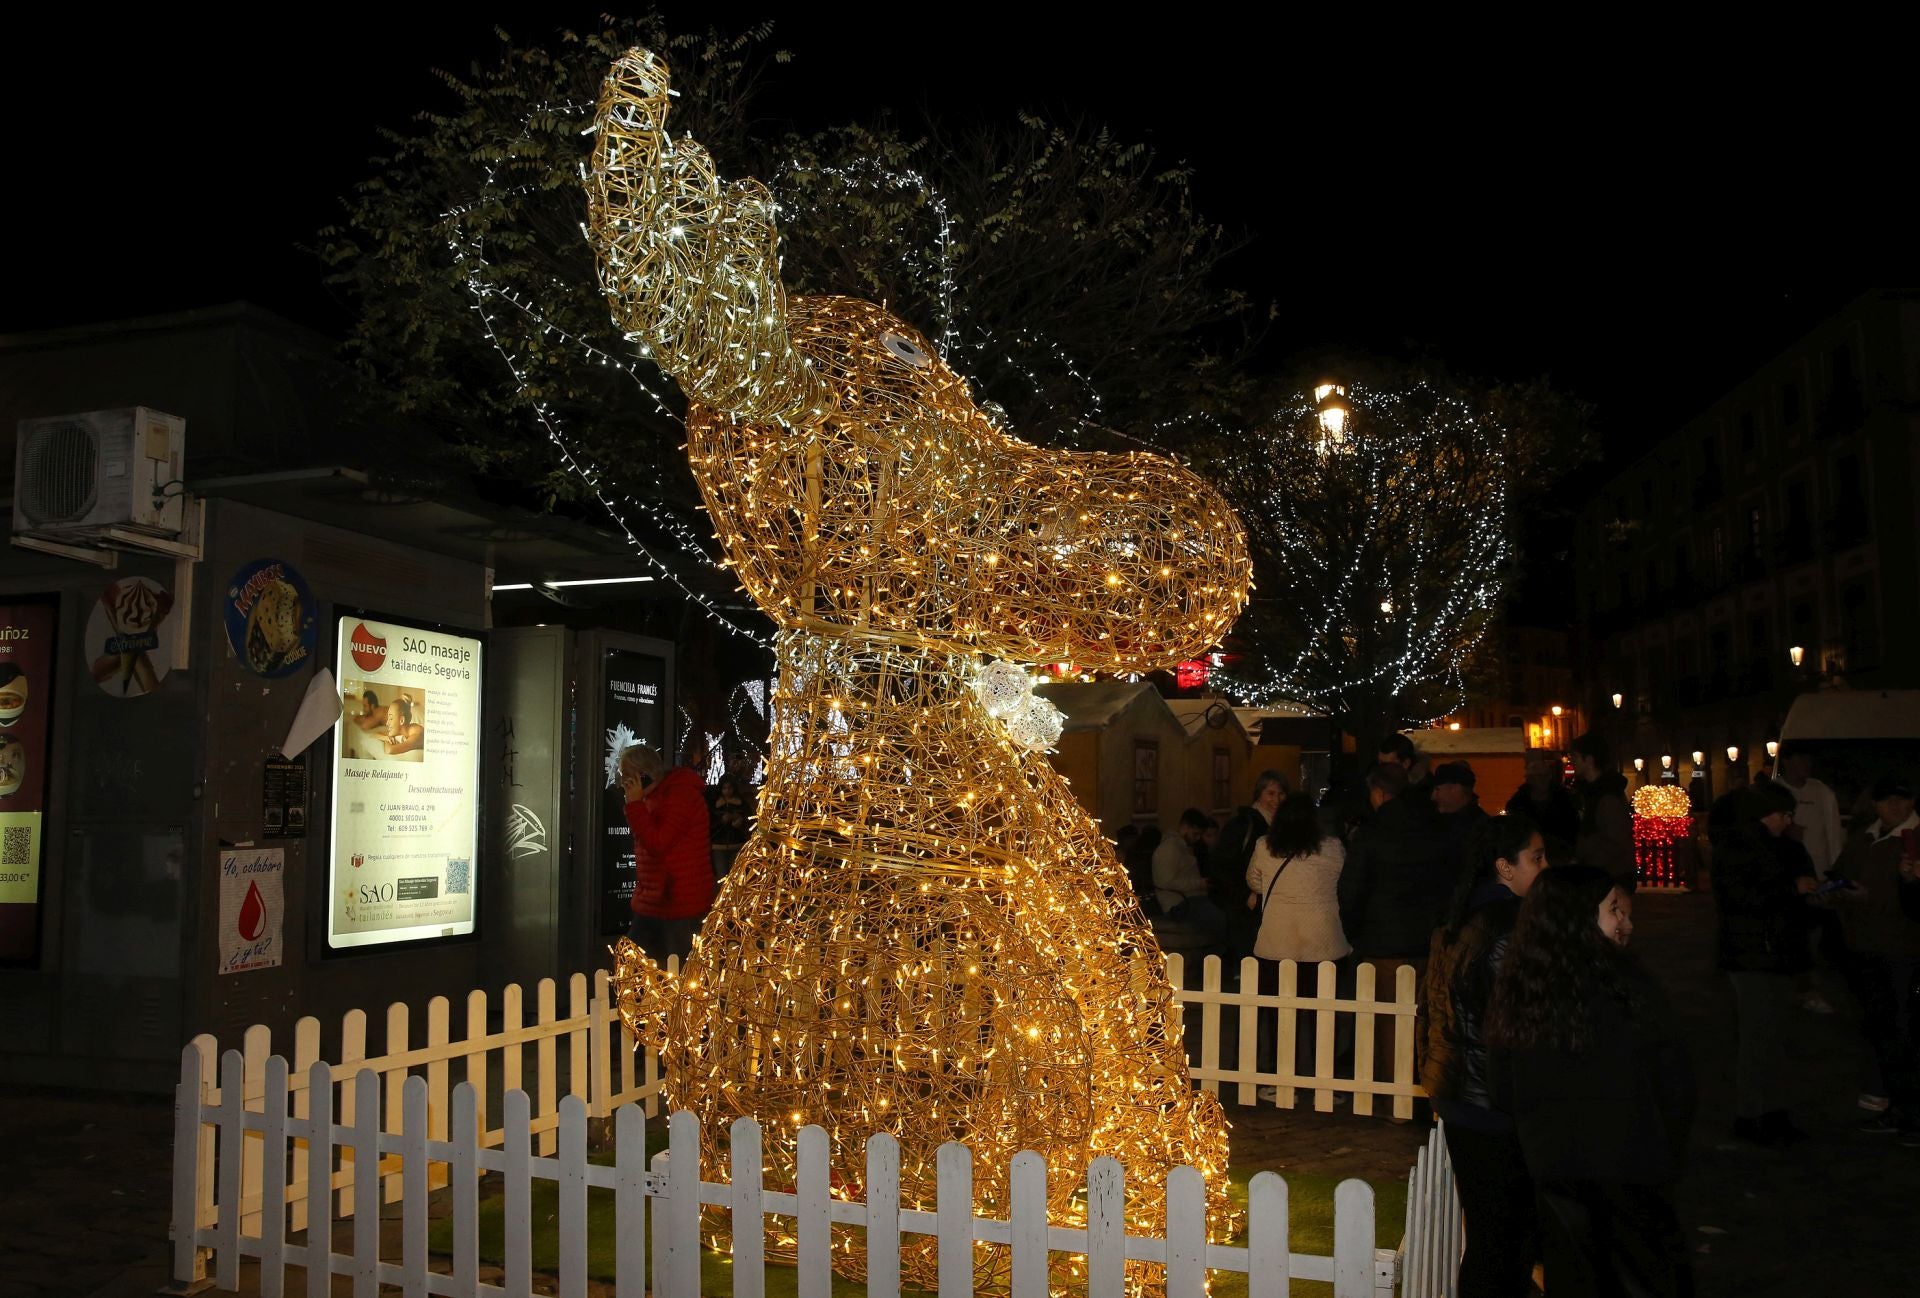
[(1798, 654)]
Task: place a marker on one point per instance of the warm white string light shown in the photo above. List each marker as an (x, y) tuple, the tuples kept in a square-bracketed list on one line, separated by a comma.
[(1390, 554), (925, 934)]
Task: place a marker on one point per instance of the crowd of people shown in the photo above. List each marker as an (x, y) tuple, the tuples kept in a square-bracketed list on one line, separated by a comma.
[(1546, 1048)]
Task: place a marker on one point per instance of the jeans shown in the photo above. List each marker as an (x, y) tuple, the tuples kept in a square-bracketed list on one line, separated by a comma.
[(1610, 1239), (1207, 919), (1760, 1067), (1306, 1022), (660, 938), (1497, 1199), (1884, 987)]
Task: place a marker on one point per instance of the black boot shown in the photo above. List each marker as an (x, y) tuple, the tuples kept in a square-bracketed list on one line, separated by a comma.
[(1776, 1128)]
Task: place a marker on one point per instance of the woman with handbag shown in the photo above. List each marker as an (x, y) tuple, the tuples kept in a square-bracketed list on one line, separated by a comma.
[(1293, 881)]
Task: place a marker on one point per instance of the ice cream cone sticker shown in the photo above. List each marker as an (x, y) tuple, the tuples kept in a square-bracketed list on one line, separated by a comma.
[(125, 650)]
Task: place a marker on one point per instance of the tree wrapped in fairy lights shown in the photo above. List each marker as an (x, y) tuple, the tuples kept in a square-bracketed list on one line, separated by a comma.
[(1379, 526)]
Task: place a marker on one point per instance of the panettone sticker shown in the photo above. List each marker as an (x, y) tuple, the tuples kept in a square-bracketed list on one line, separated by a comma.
[(127, 646), (270, 618)]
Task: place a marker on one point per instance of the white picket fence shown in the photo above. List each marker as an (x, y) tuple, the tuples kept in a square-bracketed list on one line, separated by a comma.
[(585, 1055), (670, 1228), (1391, 1078)]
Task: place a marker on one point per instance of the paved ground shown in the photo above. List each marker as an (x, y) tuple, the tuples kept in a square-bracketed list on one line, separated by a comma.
[(83, 1202)]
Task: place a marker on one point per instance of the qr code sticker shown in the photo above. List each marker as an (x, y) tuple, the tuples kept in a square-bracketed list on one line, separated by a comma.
[(457, 874), (16, 845)]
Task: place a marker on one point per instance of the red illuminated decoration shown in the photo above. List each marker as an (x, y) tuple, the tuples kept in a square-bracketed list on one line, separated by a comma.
[(1192, 674), (1662, 837)]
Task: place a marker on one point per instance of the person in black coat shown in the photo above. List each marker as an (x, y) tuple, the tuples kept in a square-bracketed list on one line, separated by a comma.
[(1760, 883), (1226, 864), (1393, 893), (1496, 1193), (1395, 886), (1545, 800), (1588, 1061)]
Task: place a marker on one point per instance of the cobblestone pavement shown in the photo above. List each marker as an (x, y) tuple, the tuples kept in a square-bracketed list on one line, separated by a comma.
[(83, 1204), (1835, 1215)]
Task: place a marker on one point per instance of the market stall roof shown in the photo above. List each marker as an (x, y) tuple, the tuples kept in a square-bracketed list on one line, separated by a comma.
[(1470, 739), (1853, 714), (1196, 715), (1093, 705)]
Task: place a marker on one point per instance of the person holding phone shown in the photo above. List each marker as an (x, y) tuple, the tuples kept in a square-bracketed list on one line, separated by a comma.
[(1883, 951), (673, 856)]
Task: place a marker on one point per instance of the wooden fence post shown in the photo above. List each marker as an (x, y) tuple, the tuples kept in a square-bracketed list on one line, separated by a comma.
[(399, 1041), (572, 1196), (883, 1216), (546, 1052), (1027, 1216), (1269, 1254), (353, 1049), (630, 1202), (319, 1180), (747, 1212), (1406, 997), (306, 1053), (233, 1106), (188, 1096), (365, 1137), (953, 1173), (463, 1171)]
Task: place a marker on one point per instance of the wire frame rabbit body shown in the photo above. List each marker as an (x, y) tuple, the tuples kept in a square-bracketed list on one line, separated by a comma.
[(925, 934)]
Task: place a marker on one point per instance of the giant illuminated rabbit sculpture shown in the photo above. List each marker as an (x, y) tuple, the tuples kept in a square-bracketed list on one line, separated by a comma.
[(925, 935)]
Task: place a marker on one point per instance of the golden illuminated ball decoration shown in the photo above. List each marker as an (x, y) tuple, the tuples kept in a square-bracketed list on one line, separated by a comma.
[(926, 935), (1662, 802)]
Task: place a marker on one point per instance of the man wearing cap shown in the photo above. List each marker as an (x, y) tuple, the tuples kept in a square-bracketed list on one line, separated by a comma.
[(1459, 811), (1883, 951)]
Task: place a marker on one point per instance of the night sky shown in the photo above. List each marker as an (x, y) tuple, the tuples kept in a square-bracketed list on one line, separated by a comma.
[(1645, 227)]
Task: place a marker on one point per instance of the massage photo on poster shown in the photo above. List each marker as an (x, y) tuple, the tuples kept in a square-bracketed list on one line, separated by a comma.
[(406, 777)]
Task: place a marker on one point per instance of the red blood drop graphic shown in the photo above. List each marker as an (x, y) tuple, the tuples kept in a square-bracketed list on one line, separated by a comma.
[(253, 913)]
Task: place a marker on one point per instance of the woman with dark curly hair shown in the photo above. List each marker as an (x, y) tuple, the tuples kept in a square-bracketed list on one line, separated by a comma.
[(1496, 1193), (1588, 1062)]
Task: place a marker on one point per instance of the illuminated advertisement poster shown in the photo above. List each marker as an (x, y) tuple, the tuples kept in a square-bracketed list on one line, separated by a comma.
[(406, 780), (26, 702), (634, 713)]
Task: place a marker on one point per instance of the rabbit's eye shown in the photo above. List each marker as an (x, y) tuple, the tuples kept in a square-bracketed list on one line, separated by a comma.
[(905, 349)]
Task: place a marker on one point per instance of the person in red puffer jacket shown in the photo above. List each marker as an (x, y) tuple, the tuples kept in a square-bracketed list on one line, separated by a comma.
[(673, 859)]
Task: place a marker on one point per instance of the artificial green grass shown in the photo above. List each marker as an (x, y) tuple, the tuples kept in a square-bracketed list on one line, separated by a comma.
[(1309, 1230)]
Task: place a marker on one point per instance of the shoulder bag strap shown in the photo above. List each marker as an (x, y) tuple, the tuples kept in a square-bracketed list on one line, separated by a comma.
[(1276, 879)]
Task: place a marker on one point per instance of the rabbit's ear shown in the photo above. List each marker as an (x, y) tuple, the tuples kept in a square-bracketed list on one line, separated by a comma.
[(689, 266)]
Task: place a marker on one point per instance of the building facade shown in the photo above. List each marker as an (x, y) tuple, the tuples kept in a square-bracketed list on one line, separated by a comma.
[(1766, 547)]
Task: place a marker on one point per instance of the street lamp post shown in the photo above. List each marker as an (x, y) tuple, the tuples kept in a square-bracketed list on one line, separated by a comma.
[(1333, 411)]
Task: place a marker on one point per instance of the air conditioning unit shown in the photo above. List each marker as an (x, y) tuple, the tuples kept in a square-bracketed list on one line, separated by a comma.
[(74, 475)]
